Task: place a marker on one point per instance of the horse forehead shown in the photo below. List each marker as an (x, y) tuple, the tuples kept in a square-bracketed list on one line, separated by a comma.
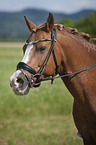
[(41, 35), (40, 27), (37, 35)]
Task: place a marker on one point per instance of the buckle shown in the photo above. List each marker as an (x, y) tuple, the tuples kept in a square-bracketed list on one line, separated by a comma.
[(36, 80)]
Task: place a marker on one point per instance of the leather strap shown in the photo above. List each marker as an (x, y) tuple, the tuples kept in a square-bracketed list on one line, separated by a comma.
[(22, 65)]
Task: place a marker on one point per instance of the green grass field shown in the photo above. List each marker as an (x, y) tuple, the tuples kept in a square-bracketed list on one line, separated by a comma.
[(43, 117)]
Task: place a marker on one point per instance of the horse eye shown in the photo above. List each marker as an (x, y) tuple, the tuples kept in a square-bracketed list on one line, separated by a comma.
[(42, 49)]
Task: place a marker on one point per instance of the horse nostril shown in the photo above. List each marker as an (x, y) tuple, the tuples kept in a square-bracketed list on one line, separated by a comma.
[(20, 81)]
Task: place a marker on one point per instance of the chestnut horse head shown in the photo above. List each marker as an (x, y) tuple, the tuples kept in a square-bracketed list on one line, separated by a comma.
[(38, 59), (52, 49)]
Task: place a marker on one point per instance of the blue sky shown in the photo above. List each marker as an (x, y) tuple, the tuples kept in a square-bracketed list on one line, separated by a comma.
[(67, 6)]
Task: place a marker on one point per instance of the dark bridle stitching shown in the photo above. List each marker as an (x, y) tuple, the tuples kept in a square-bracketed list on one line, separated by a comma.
[(51, 50), (42, 68)]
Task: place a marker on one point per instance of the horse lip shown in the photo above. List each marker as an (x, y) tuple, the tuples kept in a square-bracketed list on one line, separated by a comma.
[(19, 91)]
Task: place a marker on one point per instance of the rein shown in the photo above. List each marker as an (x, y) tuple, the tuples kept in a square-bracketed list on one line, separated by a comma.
[(66, 75), (23, 66)]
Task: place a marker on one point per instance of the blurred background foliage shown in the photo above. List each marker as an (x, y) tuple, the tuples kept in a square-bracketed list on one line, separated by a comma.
[(13, 27), (86, 25)]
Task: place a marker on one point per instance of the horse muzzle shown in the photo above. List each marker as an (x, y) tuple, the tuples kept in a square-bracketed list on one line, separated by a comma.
[(19, 83), (34, 81)]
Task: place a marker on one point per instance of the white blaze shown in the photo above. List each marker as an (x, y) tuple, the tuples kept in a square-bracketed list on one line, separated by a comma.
[(26, 55), (21, 90), (15, 75)]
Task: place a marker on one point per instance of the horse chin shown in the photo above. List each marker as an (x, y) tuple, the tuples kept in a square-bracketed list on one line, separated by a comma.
[(19, 83), (20, 91)]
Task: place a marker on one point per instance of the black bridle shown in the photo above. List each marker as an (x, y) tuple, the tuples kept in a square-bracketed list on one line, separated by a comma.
[(23, 66), (38, 75)]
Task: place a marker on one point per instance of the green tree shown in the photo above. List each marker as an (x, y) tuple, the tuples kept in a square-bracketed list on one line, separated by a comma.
[(87, 25), (66, 22)]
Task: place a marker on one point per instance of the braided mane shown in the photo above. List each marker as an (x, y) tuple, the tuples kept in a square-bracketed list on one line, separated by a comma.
[(74, 31)]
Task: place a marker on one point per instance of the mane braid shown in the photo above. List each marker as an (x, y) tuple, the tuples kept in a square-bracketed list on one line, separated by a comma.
[(74, 31)]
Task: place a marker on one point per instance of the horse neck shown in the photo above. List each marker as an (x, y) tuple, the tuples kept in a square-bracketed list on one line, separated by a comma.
[(76, 52), (75, 56)]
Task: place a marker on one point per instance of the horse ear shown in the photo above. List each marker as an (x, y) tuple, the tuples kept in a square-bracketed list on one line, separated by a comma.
[(29, 24), (50, 22)]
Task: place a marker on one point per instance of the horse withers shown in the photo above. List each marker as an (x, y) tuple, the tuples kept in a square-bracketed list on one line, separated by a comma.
[(52, 49)]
